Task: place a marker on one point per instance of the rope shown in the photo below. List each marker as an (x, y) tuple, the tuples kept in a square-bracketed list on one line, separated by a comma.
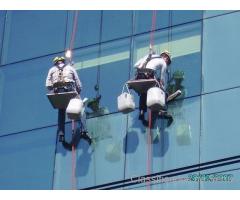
[(74, 30), (72, 40), (169, 41), (149, 137), (149, 154), (73, 159), (153, 28)]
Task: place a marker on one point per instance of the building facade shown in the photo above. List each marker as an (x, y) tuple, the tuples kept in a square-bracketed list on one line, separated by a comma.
[(200, 150)]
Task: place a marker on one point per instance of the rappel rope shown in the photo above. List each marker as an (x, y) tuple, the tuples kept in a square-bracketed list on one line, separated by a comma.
[(71, 46), (149, 137)]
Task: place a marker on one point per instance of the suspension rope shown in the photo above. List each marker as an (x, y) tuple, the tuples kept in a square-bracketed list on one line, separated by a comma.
[(73, 158), (149, 137), (74, 30), (149, 149), (169, 40), (71, 46), (153, 28)]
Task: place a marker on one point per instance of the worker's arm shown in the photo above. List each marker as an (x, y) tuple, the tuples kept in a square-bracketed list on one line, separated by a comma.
[(77, 81), (49, 83), (140, 62), (163, 78)]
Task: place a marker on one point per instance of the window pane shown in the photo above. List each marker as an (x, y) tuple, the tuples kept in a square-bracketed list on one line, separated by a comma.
[(23, 101), (2, 20), (27, 160), (180, 140), (86, 63), (31, 34), (185, 48), (143, 20), (100, 163), (221, 52), (116, 24), (220, 137), (114, 71), (184, 16), (212, 13), (88, 27)]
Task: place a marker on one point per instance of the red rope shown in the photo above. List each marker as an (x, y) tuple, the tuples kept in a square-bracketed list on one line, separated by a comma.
[(149, 137), (74, 30), (149, 143), (73, 159), (153, 28)]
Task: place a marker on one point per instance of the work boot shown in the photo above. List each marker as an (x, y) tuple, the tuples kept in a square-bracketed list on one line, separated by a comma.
[(164, 115), (67, 146), (87, 137), (61, 137)]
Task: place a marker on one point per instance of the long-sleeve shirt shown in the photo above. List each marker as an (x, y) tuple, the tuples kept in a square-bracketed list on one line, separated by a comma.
[(69, 74), (155, 63)]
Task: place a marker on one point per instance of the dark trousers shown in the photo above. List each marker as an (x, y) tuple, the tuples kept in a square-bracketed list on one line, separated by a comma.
[(144, 74), (61, 121)]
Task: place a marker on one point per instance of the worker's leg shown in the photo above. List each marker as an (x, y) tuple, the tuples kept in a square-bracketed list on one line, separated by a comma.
[(143, 108), (61, 124), (85, 133)]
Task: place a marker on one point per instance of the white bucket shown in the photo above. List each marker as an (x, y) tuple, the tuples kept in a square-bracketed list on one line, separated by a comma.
[(155, 98), (74, 109), (126, 102)]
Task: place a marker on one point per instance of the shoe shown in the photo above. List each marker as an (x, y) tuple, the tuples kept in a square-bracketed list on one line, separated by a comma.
[(67, 146), (87, 137), (61, 137), (164, 115)]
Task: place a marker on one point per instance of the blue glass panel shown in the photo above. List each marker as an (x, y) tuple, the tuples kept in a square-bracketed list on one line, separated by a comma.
[(136, 147), (212, 13), (180, 140), (218, 64), (109, 132), (143, 20), (185, 48), (23, 101), (86, 63), (114, 71), (102, 162), (88, 28), (85, 170), (116, 24), (184, 16), (42, 38), (220, 125), (177, 145), (2, 21), (27, 160)]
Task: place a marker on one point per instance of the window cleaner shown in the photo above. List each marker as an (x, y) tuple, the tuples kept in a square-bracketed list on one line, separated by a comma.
[(64, 88), (152, 90)]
